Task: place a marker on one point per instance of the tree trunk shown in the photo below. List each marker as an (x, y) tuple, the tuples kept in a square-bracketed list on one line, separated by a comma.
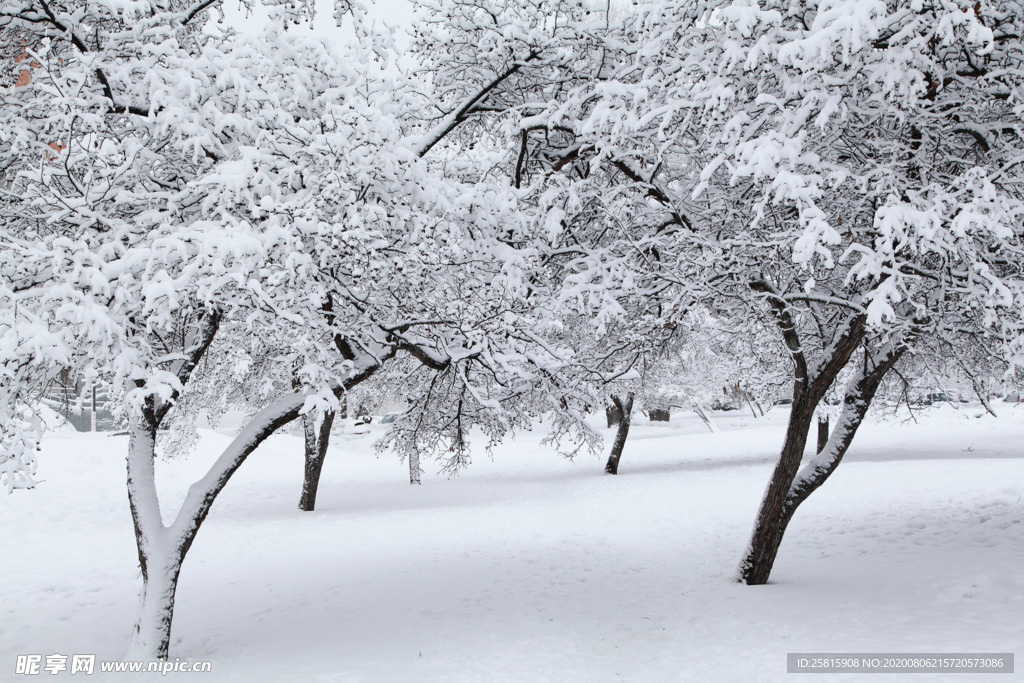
[(316, 442), (706, 419), (625, 410), (613, 414), (414, 467), (152, 632), (750, 403), (756, 566), (764, 543), (162, 549), (151, 636), (809, 389), (860, 391), (822, 432)]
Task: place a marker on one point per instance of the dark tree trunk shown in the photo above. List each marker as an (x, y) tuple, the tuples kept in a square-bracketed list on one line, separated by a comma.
[(859, 394), (808, 391), (316, 451), (822, 432), (767, 536), (773, 519), (625, 410), (613, 414), (658, 415)]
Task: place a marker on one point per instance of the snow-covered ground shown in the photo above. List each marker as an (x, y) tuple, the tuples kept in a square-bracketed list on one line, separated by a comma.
[(531, 568)]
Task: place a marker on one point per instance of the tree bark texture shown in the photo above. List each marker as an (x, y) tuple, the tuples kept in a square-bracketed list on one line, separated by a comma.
[(624, 406), (775, 513), (316, 442), (822, 432), (613, 414), (152, 632), (811, 382)]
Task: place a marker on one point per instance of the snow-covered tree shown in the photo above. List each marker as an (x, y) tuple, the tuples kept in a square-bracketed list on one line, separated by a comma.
[(153, 214), (221, 208), (898, 120), (847, 171)]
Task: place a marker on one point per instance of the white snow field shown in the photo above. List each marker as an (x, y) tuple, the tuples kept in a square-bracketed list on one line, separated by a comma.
[(532, 568)]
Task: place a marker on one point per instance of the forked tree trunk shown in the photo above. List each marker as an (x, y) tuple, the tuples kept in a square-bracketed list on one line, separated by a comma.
[(756, 566), (162, 548), (316, 442), (767, 536), (822, 432), (751, 404), (625, 409), (811, 382), (860, 392)]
